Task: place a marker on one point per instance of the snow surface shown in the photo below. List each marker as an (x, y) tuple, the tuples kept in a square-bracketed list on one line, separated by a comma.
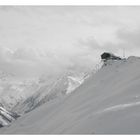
[(108, 102)]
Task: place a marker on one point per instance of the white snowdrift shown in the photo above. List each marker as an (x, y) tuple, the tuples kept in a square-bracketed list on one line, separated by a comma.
[(106, 103)]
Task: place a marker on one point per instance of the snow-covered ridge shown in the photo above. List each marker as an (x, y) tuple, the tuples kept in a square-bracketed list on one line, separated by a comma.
[(73, 83), (47, 92), (106, 103), (24, 96)]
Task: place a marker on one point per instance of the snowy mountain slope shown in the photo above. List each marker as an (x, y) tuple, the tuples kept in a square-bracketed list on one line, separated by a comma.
[(14, 92), (106, 103), (24, 96), (47, 92)]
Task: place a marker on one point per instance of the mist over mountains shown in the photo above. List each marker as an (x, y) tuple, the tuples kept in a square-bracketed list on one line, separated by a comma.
[(70, 69)]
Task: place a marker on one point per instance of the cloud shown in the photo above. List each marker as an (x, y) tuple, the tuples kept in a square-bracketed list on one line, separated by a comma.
[(51, 40), (130, 37)]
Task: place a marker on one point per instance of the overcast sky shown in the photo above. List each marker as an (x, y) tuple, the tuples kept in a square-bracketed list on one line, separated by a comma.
[(37, 40)]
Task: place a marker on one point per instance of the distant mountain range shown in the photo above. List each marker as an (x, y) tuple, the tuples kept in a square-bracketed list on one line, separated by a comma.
[(23, 96)]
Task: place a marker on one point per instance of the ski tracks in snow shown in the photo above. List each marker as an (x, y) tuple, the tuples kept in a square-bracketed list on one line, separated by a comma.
[(119, 107)]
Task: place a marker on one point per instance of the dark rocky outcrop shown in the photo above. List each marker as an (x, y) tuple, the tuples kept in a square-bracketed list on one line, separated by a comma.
[(109, 56), (7, 116)]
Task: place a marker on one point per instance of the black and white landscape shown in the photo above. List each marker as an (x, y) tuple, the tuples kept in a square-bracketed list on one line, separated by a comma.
[(69, 70)]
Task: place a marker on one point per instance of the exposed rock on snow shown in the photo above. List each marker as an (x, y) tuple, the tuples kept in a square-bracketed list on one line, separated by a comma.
[(6, 117), (109, 56)]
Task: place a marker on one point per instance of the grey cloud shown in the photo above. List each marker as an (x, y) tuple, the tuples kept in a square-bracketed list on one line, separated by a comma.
[(56, 39), (132, 38)]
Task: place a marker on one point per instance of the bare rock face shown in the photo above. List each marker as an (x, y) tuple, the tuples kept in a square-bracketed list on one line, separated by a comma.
[(109, 56), (6, 117)]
